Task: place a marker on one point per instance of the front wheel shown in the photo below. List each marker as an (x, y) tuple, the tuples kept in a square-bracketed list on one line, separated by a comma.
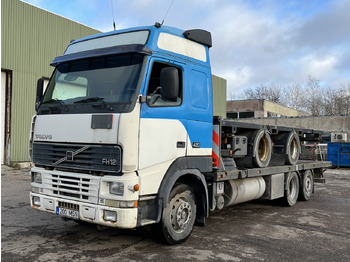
[(179, 215), (291, 192)]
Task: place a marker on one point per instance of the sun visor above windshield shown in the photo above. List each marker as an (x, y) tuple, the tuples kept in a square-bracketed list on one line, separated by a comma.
[(124, 49)]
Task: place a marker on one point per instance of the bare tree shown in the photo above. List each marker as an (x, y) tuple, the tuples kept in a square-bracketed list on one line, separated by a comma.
[(272, 93), (295, 97), (232, 96), (314, 97), (346, 94), (337, 101), (310, 97), (331, 102)]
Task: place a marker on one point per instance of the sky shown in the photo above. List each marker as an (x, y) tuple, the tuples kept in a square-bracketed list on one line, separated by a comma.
[(255, 42)]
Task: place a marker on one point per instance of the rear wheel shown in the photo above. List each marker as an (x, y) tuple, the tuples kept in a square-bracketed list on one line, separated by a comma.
[(179, 215), (307, 186), (292, 189)]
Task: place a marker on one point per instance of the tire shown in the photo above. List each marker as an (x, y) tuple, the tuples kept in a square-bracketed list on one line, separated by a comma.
[(179, 215), (292, 149), (307, 186), (291, 192), (262, 149)]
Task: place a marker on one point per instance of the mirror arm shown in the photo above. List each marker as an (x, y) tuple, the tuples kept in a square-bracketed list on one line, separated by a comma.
[(143, 99)]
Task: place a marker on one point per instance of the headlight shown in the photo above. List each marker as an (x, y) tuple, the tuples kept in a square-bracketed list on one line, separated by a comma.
[(36, 177), (116, 188)]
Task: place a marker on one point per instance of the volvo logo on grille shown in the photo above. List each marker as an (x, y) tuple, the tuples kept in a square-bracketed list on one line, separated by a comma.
[(70, 155)]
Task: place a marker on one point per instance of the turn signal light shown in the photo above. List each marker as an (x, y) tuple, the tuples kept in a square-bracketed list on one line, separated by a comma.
[(136, 187)]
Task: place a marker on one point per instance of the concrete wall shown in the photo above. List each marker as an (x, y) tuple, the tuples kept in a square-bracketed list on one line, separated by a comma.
[(245, 105)]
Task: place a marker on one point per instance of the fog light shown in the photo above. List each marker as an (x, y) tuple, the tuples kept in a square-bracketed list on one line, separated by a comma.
[(110, 216), (36, 201)]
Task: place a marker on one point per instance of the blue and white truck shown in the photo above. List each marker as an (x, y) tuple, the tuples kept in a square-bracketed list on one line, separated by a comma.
[(124, 136)]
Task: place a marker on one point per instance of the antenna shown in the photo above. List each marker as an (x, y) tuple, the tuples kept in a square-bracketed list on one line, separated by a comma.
[(113, 15), (167, 12)]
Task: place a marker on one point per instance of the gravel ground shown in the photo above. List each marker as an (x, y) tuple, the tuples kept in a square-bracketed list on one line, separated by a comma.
[(316, 230)]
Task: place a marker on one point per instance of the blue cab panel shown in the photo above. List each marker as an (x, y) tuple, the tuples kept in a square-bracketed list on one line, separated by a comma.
[(170, 47)]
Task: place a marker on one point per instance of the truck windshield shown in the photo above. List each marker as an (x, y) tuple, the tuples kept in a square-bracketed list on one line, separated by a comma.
[(111, 79)]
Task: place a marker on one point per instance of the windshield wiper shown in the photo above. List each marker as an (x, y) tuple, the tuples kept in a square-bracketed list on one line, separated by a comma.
[(54, 101), (95, 99), (89, 99)]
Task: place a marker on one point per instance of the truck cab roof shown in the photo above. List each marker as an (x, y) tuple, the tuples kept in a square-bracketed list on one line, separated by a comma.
[(189, 45)]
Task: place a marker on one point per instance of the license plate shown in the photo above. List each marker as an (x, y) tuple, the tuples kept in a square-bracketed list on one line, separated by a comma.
[(67, 212)]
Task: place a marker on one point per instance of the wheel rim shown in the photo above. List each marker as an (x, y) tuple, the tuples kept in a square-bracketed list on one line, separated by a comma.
[(293, 188), (263, 149), (181, 212), (308, 186), (293, 150)]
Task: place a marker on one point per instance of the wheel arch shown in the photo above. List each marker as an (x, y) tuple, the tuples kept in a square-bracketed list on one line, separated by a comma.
[(193, 178), (187, 170)]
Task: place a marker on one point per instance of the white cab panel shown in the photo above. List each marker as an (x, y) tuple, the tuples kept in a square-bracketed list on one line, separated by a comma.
[(182, 46), (158, 149), (151, 177), (197, 151), (158, 141), (75, 128), (128, 138)]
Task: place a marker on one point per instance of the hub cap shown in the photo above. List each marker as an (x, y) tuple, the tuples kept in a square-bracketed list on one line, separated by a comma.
[(180, 214)]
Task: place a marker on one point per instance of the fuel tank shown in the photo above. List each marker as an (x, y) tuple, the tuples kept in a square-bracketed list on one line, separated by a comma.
[(242, 190)]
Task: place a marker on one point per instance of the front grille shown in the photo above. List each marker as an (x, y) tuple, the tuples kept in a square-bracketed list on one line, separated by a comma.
[(105, 158), (74, 186)]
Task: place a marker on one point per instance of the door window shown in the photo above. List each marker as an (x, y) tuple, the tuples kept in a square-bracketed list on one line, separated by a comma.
[(156, 93)]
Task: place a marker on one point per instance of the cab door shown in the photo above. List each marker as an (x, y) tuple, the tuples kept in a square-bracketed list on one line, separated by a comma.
[(163, 126)]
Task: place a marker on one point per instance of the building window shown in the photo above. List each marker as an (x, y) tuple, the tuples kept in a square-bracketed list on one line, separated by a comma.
[(238, 115)]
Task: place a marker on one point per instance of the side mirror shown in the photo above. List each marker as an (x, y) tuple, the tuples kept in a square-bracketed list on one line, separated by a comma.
[(39, 92), (169, 81)]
